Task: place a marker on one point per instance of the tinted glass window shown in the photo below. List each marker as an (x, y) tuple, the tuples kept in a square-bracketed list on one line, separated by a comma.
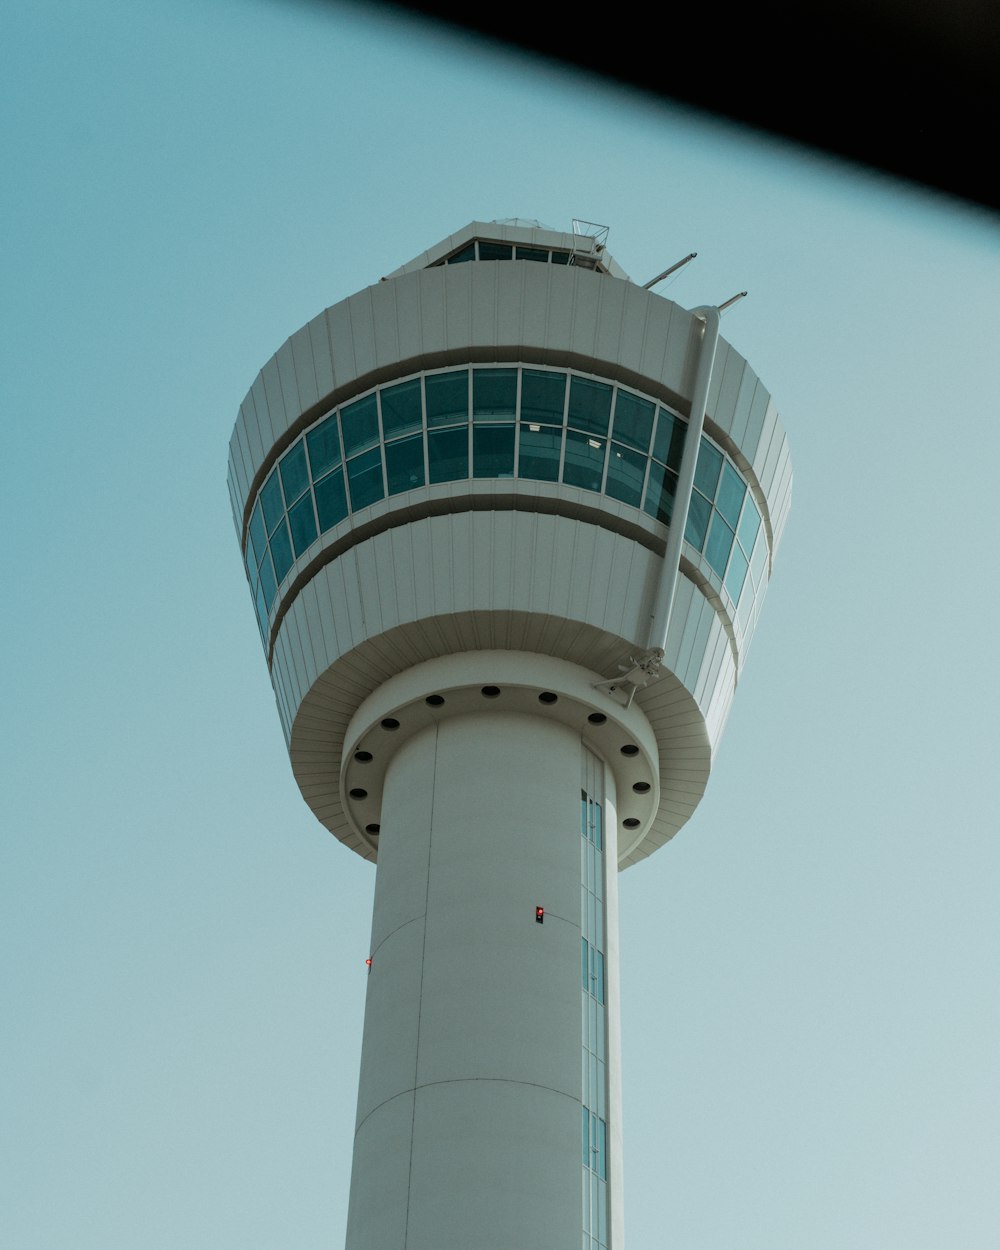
[(668, 446), (359, 424), (749, 524), (267, 582), (731, 492), (626, 470), (467, 253), (331, 500), (494, 251), (404, 464), (281, 551), (737, 574), (532, 253), (543, 397), (538, 458), (294, 474), (660, 491), (706, 475), (303, 524), (584, 464), (589, 405), (633, 420), (257, 536), (720, 542), (364, 473), (402, 409), (324, 447), (494, 392), (271, 502), (447, 397), (261, 607), (697, 522), (493, 451), (448, 454)]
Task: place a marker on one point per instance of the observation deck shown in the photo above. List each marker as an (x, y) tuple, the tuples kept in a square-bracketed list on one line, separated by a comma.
[(479, 456)]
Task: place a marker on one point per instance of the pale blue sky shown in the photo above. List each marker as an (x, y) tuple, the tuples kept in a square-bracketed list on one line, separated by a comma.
[(811, 1020)]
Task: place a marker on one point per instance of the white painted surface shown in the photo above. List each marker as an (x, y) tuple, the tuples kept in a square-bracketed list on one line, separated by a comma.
[(469, 1100)]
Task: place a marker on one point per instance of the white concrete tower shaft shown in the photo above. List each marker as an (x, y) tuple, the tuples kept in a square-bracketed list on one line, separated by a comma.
[(454, 492), (489, 1100)]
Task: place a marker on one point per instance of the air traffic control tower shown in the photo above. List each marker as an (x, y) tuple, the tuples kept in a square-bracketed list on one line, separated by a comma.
[(508, 520)]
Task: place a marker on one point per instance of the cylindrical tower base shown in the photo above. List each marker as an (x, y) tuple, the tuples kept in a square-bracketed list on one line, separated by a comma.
[(475, 1009)]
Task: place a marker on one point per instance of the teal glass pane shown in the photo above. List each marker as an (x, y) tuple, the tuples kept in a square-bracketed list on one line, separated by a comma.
[(532, 253), (745, 611), (271, 501), (720, 543), (598, 827), (495, 251), (324, 447), (467, 253), (633, 420), (448, 454), (359, 425), (560, 258), (706, 475), (584, 963), (731, 492), (602, 1150), (494, 393), (267, 583), (447, 397), (493, 451), (331, 500), (258, 539), (749, 525), (626, 470), (737, 573), (261, 607), (402, 409), (599, 976), (404, 464), (758, 564), (364, 474), (294, 474), (668, 446), (538, 458), (281, 552), (660, 492), (699, 513), (589, 405), (543, 396), (584, 462), (302, 522), (585, 1135)]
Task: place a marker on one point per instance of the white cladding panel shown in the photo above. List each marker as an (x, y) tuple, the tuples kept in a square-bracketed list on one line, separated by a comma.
[(472, 1006)]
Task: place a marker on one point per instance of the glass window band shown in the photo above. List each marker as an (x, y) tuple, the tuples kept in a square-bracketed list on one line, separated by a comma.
[(504, 421)]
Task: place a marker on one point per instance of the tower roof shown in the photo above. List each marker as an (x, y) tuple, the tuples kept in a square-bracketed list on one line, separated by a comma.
[(584, 245)]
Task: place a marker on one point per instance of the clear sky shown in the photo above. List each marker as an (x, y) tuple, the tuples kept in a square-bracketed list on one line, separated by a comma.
[(810, 1008)]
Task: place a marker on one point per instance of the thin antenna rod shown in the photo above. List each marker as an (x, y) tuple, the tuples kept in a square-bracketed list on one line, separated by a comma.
[(667, 272), (733, 299)]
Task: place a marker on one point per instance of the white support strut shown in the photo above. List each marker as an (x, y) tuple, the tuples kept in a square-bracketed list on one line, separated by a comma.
[(663, 598)]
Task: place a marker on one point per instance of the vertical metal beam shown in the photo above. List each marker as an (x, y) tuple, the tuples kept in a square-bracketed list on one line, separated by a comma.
[(663, 599)]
